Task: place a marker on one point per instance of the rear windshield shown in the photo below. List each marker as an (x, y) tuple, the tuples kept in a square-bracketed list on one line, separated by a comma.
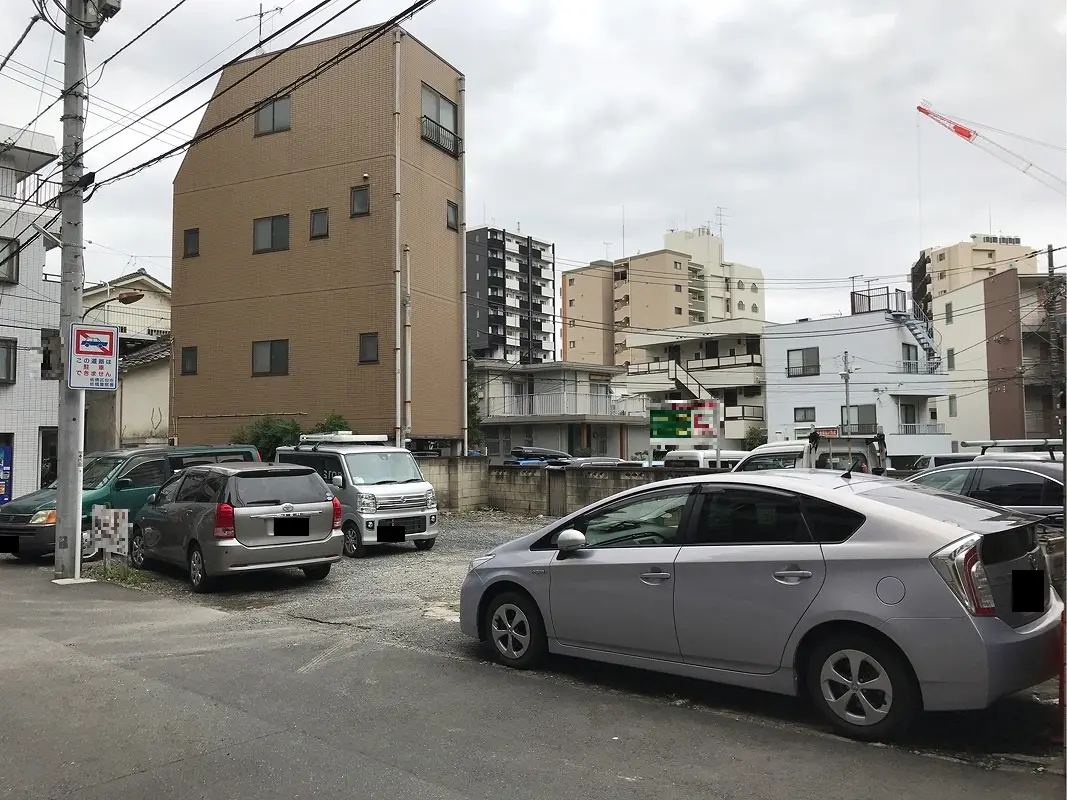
[(381, 468), (277, 487), (969, 514)]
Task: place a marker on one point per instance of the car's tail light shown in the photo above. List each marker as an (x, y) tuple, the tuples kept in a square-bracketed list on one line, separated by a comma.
[(960, 564), (225, 526), (337, 513)]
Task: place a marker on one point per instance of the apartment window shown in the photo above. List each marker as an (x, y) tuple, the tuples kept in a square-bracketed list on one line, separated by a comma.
[(9, 349), (677, 311), (950, 358), (952, 405), (740, 284), (677, 287), (570, 344), (9, 260), (270, 234), (755, 308), (270, 357), (439, 121), (571, 323), (861, 419), (941, 276), (677, 264), (368, 348), (803, 362), (570, 303), (570, 281), (452, 216), (274, 116), (806, 414), (189, 360), (191, 243), (360, 201), (910, 358), (740, 305), (990, 254), (754, 289), (941, 257), (51, 368), (320, 223), (948, 313)]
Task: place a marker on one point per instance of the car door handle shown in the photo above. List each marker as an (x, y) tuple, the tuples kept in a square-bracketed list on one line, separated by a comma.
[(655, 576), (792, 574)]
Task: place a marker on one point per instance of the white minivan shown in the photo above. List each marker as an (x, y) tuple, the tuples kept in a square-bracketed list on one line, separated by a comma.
[(703, 459)]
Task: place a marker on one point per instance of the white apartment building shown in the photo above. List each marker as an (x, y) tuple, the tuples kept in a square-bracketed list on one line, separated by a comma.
[(896, 374), (30, 365)]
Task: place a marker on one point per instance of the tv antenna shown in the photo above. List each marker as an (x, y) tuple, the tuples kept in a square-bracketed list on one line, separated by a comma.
[(263, 13), (720, 215), (607, 251)]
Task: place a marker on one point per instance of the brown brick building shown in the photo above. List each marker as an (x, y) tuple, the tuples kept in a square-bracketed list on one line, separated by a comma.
[(288, 234)]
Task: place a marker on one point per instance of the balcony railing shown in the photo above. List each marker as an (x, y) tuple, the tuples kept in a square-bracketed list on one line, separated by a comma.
[(920, 366), (723, 362), (29, 187), (1041, 425), (859, 429), (559, 404), (803, 371), (921, 429), (441, 137), (743, 412)]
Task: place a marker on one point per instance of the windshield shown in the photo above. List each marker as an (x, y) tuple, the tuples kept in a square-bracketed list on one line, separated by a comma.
[(372, 468), (96, 471), (272, 488)]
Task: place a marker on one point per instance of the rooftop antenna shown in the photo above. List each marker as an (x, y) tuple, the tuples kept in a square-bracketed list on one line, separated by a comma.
[(720, 215), (853, 279), (261, 15), (607, 251)]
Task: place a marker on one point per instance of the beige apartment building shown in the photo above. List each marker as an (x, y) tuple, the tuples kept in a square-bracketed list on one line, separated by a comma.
[(940, 270), (686, 283), (291, 234)]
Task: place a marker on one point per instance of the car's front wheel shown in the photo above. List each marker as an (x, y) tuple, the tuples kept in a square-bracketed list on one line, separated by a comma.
[(354, 547), (514, 628), (137, 554), (425, 544), (864, 687)]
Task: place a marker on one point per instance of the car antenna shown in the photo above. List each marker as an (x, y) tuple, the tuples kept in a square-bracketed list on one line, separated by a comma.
[(848, 472)]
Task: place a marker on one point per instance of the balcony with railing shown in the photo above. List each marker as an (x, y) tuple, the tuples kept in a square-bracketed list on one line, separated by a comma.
[(1041, 425), (743, 412), (557, 404), (802, 371), (441, 137), (725, 362), (30, 188), (920, 366), (921, 429)]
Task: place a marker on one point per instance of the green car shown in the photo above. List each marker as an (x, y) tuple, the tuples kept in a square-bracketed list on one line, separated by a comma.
[(116, 479)]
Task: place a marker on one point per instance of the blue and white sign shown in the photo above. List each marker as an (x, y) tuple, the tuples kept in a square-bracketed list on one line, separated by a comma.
[(93, 357)]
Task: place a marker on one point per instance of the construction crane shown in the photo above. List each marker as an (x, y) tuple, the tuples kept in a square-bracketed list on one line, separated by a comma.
[(1020, 163)]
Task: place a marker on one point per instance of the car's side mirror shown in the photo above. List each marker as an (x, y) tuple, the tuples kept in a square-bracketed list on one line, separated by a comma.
[(123, 483), (338, 481), (570, 540), (151, 500)]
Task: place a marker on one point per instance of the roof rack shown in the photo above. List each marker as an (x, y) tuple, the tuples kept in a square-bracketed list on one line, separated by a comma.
[(1049, 445), (338, 437)]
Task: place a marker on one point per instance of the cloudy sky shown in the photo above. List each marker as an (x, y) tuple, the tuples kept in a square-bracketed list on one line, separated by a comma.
[(796, 116)]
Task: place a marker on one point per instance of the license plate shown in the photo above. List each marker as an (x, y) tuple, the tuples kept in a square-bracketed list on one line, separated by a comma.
[(391, 533), (291, 526)]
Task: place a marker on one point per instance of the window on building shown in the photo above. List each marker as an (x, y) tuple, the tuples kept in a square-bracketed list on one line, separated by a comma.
[(910, 358), (572, 323), (570, 303), (439, 121), (754, 289), (948, 313), (805, 414), (51, 367), (740, 305), (191, 243), (941, 257), (862, 420), (570, 344), (740, 284), (755, 308), (189, 360), (320, 223), (941, 276), (368, 348), (952, 405), (9, 260), (270, 234), (270, 357), (678, 311), (950, 358), (803, 362), (570, 281), (677, 264), (677, 287), (360, 201), (451, 215), (274, 116), (9, 351)]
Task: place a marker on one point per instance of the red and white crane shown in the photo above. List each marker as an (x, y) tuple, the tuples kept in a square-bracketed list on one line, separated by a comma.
[(1020, 163)]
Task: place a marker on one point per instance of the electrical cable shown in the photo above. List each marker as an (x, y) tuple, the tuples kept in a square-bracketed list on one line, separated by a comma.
[(100, 67)]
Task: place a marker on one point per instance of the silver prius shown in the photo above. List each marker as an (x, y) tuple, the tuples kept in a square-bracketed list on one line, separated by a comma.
[(876, 598), (224, 519)]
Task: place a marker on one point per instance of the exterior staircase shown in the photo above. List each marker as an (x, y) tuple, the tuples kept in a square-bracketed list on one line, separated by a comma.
[(685, 380), (922, 329)]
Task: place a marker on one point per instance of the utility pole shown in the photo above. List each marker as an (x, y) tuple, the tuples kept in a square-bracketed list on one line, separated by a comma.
[(1052, 307), (846, 376), (72, 272)]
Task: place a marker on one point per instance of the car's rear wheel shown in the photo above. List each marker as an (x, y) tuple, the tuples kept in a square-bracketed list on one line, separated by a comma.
[(425, 544), (198, 577), (317, 572), (354, 547), (137, 554), (514, 628), (864, 687)]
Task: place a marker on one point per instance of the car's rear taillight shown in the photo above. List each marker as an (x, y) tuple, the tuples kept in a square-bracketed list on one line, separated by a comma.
[(225, 527), (337, 513), (960, 564)]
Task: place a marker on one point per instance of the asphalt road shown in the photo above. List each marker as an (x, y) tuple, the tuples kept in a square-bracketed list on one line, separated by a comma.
[(362, 686)]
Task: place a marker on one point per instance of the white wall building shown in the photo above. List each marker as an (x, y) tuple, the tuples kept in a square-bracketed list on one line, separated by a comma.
[(897, 372), (29, 335), (730, 290)]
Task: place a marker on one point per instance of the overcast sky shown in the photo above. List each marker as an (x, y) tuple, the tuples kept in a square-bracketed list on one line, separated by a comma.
[(796, 116)]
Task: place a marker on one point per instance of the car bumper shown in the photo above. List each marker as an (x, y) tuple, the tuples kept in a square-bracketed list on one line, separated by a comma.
[(27, 540), (227, 557), (375, 528), (978, 660), (470, 598)]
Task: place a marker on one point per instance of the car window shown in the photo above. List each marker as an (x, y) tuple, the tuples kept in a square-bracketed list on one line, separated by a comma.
[(191, 488), (950, 480), (749, 516), (169, 490), (1052, 494), (381, 468), (147, 474), (921, 463), (829, 523), (330, 467), (1009, 487), (274, 487), (647, 521), (769, 461)]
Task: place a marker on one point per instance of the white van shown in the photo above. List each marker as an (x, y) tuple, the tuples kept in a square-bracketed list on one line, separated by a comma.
[(703, 459), (829, 451), (940, 459)]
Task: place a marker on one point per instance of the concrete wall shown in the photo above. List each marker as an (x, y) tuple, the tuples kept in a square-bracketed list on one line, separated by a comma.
[(461, 484), (144, 396)]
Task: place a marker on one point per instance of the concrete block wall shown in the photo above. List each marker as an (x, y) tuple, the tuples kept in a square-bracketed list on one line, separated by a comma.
[(461, 484), (518, 490)]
